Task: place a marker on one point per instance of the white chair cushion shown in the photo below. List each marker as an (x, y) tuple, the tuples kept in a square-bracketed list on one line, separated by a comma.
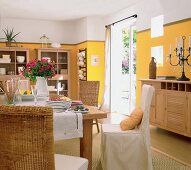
[(65, 162)]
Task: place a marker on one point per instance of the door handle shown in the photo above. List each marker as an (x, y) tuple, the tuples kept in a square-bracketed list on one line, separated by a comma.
[(125, 97)]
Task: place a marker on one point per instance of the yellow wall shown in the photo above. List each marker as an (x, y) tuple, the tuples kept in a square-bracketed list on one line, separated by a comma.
[(73, 60), (144, 44), (95, 72)]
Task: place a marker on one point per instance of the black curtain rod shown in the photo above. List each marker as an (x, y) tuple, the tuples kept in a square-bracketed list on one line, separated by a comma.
[(132, 16)]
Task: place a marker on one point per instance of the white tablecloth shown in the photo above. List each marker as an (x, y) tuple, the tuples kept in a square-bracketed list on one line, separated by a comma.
[(67, 124)]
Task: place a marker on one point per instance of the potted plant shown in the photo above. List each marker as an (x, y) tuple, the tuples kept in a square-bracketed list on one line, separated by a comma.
[(9, 36)]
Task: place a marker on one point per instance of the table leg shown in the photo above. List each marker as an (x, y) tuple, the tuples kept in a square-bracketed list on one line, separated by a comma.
[(86, 142)]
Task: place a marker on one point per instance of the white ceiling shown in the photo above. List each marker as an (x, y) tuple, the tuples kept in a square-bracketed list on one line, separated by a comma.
[(61, 9)]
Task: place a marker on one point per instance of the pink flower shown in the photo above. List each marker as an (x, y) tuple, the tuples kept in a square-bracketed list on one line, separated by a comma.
[(44, 60), (39, 68)]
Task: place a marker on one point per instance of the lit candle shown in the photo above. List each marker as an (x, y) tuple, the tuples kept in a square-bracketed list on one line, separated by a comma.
[(176, 42), (181, 41), (178, 46), (170, 49)]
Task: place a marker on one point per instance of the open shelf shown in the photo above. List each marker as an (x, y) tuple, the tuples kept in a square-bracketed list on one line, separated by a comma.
[(61, 59), (176, 86), (12, 53), (82, 69), (182, 87)]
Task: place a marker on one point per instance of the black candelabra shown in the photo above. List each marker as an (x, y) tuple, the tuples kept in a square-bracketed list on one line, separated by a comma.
[(180, 54)]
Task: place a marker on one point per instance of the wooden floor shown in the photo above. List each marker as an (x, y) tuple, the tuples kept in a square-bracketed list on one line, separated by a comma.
[(172, 144)]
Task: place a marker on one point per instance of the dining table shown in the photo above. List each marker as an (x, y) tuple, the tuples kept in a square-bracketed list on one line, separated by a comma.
[(86, 141), (87, 118)]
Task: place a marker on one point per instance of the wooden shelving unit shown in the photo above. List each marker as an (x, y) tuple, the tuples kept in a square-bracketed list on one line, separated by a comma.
[(82, 68), (13, 52), (61, 58)]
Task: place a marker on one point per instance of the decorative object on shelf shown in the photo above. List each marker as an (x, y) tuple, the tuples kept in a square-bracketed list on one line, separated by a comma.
[(2, 71), (10, 88), (64, 71), (166, 77), (82, 64), (9, 36), (20, 69), (180, 54), (47, 58), (44, 41), (13, 57), (5, 59), (10, 72), (61, 58), (6, 56), (152, 69), (55, 45), (39, 68), (20, 59)]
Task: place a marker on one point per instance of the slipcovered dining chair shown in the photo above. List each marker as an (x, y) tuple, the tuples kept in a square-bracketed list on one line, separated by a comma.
[(128, 150), (88, 94), (26, 141)]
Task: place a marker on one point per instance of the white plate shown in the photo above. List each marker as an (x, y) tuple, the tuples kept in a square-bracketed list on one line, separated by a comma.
[(59, 104), (86, 111), (59, 107)]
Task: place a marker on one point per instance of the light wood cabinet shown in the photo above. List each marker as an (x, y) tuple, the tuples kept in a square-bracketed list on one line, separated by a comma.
[(171, 105), (61, 58), (176, 111), (9, 62), (159, 107), (189, 114)]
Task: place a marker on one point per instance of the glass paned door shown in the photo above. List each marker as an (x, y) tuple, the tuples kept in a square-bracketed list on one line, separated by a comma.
[(123, 67)]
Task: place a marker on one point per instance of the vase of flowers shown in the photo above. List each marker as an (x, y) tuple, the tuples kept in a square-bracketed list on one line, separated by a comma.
[(40, 71)]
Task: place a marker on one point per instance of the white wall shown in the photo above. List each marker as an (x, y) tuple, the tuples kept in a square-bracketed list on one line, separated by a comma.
[(32, 30), (173, 10), (90, 28), (81, 30), (69, 32), (95, 28)]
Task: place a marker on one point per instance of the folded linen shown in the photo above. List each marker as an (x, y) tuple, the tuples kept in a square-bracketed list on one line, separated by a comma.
[(67, 125)]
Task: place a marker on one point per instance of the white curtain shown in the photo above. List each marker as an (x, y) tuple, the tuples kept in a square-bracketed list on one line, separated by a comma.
[(106, 96)]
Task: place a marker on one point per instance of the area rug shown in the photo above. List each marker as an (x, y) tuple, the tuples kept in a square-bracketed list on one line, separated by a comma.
[(160, 160)]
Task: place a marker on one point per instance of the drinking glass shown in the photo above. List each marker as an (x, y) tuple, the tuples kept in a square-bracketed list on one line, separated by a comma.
[(34, 92), (10, 87)]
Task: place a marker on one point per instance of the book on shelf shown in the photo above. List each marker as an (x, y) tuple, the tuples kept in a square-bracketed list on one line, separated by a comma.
[(166, 77)]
